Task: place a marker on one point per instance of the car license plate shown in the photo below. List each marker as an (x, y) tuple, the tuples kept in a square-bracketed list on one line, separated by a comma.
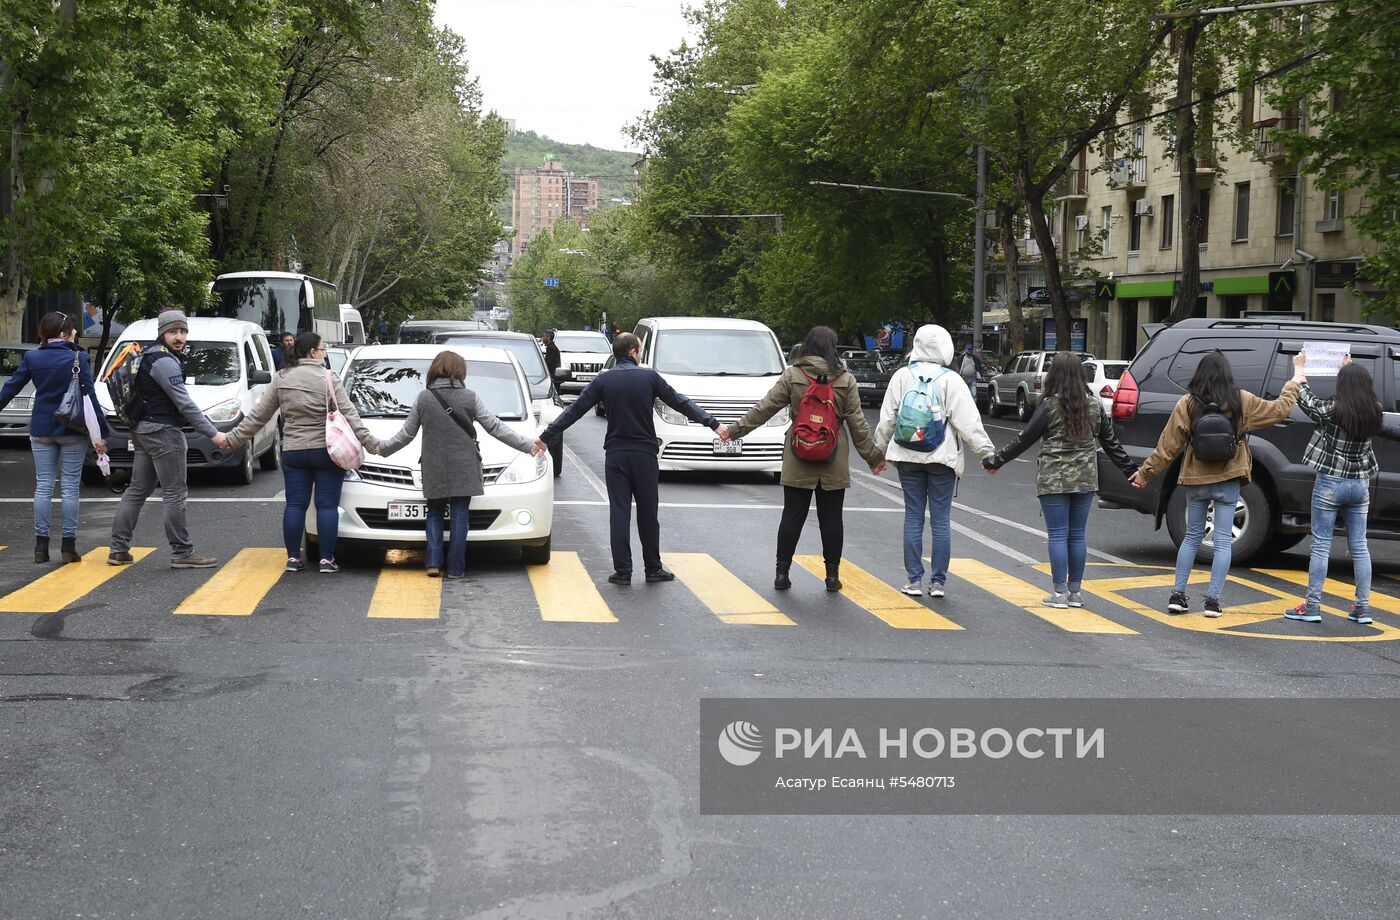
[(413, 511), (728, 447), (584, 378), (866, 386)]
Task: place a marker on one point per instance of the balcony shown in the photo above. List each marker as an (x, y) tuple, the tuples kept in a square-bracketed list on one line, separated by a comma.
[(1128, 173), (1268, 148), (1075, 185)]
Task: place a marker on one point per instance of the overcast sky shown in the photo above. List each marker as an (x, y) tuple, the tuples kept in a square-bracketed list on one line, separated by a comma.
[(575, 70)]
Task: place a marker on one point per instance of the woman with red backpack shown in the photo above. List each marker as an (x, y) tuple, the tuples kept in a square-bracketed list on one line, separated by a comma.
[(818, 395)]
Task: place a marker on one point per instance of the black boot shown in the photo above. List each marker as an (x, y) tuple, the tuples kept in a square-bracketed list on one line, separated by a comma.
[(70, 550), (41, 549), (833, 576), (781, 580)]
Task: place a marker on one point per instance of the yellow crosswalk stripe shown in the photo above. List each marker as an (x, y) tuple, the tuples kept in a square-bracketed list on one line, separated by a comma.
[(67, 584), (874, 596), (405, 593), (1028, 597), (239, 586), (1333, 586), (566, 593), (721, 590)]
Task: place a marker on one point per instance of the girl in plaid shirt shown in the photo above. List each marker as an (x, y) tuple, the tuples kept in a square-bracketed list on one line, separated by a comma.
[(1340, 451)]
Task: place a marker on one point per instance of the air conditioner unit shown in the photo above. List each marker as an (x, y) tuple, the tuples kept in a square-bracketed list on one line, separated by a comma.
[(1121, 173), (1081, 221), (1142, 207)]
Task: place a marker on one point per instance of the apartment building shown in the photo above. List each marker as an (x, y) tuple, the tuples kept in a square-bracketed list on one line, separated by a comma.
[(1271, 240), (544, 195)]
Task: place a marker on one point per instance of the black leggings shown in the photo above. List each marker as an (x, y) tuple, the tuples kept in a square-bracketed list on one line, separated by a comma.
[(796, 503)]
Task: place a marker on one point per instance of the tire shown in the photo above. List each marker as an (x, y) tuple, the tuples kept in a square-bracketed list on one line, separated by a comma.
[(536, 555), (244, 472), (556, 451), (1254, 524), (993, 407), (272, 457), (1023, 407)]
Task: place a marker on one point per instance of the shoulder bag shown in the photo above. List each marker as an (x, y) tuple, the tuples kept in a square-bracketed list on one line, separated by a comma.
[(341, 443), (70, 411)]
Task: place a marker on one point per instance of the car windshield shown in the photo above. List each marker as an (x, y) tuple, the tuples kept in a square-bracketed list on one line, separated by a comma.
[(211, 363), (863, 365), (421, 335), (717, 353), (9, 360), (1114, 371), (388, 387), (336, 358), (525, 349), (593, 345)]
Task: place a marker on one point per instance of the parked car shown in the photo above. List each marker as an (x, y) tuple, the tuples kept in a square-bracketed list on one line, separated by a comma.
[(1019, 386), (1103, 377), (1274, 510), (423, 331), (872, 377), (582, 354), (14, 418), (544, 397), (337, 356), (383, 500), (227, 366)]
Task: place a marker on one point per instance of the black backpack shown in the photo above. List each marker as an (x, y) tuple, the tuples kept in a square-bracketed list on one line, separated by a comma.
[(121, 381), (1213, 436)]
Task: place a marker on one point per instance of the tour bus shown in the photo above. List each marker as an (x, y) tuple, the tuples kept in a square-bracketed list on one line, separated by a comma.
[(281, 302)]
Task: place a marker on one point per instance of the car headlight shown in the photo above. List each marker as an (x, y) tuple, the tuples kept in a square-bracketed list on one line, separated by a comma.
[(780, 418), (525, 468), (668, 415), (352, 476), (22, 403), (226, 411)]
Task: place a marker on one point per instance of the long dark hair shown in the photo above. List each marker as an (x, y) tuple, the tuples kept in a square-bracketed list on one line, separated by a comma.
[(1065, 381), (305, 344), (1355, 407), (821, 343), (1213, 383)]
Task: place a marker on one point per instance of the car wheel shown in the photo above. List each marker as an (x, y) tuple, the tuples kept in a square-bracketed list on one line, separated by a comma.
[(1253, 524), (556, 452), (993, 407), (536, 555), (272, 456), (1023, 408), (243, 473)]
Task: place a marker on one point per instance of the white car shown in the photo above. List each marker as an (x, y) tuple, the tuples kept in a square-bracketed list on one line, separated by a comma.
[(725, 366), (1103, 377), (228, 365), (383, 503), (14, 418), (584, 354)]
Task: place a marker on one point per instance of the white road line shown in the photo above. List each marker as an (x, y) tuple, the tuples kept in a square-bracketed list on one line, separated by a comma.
[(1106, 557), (589, 476), (968, 532), (722, 506), (154, 498)]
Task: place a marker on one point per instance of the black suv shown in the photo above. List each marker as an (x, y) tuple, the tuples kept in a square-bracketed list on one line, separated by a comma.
[(1274, 509)]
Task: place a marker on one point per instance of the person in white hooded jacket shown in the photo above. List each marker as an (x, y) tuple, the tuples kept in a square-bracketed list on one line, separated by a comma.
[(930, 479)]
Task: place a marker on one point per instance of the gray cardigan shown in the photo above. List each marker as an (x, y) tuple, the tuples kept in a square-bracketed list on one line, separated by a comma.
[(451, 460)]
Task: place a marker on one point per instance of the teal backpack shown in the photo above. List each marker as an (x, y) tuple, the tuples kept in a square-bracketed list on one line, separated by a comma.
[(920, 425)]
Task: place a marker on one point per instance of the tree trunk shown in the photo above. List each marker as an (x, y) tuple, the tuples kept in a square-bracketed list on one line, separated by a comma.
[(14, 274), (1006, 217), (1040, 229), (1189, 285)]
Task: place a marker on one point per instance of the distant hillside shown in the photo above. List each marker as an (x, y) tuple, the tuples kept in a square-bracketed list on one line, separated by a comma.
[(612, 168)]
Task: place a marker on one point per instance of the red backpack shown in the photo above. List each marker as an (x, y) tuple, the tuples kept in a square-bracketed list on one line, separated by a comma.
[(817, 425)]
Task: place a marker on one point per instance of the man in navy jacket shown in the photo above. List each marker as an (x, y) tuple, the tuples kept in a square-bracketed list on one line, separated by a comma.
[(629, 391)]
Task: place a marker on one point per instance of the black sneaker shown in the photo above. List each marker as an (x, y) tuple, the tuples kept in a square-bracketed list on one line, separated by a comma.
[(328, 567), (295, 565), (661, 575), (1212, 607), (620, 578), (1178, 603)]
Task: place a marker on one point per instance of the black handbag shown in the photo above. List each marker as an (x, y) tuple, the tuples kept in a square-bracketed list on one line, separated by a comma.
[(70, 411)]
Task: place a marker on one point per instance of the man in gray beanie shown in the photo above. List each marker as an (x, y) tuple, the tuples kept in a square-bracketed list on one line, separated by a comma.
[(158, 447)]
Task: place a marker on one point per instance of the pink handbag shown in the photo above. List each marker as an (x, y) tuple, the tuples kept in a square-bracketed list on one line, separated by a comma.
[(341, 443)]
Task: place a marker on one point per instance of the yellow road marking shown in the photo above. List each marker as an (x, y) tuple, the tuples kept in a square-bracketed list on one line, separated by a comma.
[(239, 586), (721, 590), (873, 595), (1332, 586), (405, 593), (64, 585), (1028, 597), (566, 593)]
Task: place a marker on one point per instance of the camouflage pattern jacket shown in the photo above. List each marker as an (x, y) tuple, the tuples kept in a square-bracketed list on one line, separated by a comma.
[(1066, 464)]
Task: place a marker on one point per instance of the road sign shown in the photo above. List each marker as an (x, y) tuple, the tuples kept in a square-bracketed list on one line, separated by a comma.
[(1281, 288), (551, 282), (1106, 290)]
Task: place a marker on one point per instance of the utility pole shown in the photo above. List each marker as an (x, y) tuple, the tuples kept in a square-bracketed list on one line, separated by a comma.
[(979, 259)]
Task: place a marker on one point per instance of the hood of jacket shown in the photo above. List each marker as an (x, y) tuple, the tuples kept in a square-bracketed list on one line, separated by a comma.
[(814, 365), (932, 343)]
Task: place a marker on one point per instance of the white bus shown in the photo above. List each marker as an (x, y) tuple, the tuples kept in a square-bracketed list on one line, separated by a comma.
[(281, 302)]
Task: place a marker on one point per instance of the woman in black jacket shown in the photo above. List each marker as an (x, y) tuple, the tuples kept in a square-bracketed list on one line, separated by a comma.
[(58, 451)]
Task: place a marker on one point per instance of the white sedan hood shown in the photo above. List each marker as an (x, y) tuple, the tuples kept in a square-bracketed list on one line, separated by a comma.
[(493, 452), (698, 387)]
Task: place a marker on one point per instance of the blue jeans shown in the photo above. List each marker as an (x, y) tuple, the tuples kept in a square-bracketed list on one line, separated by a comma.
[(1351, 498), (1066, 516), (301, 471), (457, 547), (927, 485), (51, 454), (1224, 496)]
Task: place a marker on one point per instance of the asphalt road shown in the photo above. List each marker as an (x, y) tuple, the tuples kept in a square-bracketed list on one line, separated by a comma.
[(496, 759)]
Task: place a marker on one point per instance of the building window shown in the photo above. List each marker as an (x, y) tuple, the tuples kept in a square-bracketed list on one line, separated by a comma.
[(1241, 211), (1334, 205), (1287, 198), (1106, 227), (1204, 215), (1168, 218), (1135, 230), (1327, 308)]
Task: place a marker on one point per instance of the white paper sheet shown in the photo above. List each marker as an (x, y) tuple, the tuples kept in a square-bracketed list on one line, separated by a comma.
[(1324, 359)]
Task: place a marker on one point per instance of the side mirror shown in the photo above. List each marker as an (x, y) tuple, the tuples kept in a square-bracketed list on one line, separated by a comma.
[(256, 377), (562, 374)]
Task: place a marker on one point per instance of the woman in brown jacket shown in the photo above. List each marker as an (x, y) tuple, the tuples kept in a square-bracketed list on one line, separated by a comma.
[(1216, 483), (802, 479)]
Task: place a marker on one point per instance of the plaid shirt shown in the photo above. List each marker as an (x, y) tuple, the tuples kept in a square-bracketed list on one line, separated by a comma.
[(1331, 450)]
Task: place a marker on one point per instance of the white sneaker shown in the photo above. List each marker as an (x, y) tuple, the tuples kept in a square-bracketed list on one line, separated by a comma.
[(913, 589), (1058, 601), (935, 589)]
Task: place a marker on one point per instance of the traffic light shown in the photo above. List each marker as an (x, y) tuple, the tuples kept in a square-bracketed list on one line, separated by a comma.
[(1106, 290), (1281, 288)]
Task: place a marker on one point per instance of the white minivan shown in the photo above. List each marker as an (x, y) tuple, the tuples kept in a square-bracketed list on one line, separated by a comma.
[(228, 365), (725, 366)]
